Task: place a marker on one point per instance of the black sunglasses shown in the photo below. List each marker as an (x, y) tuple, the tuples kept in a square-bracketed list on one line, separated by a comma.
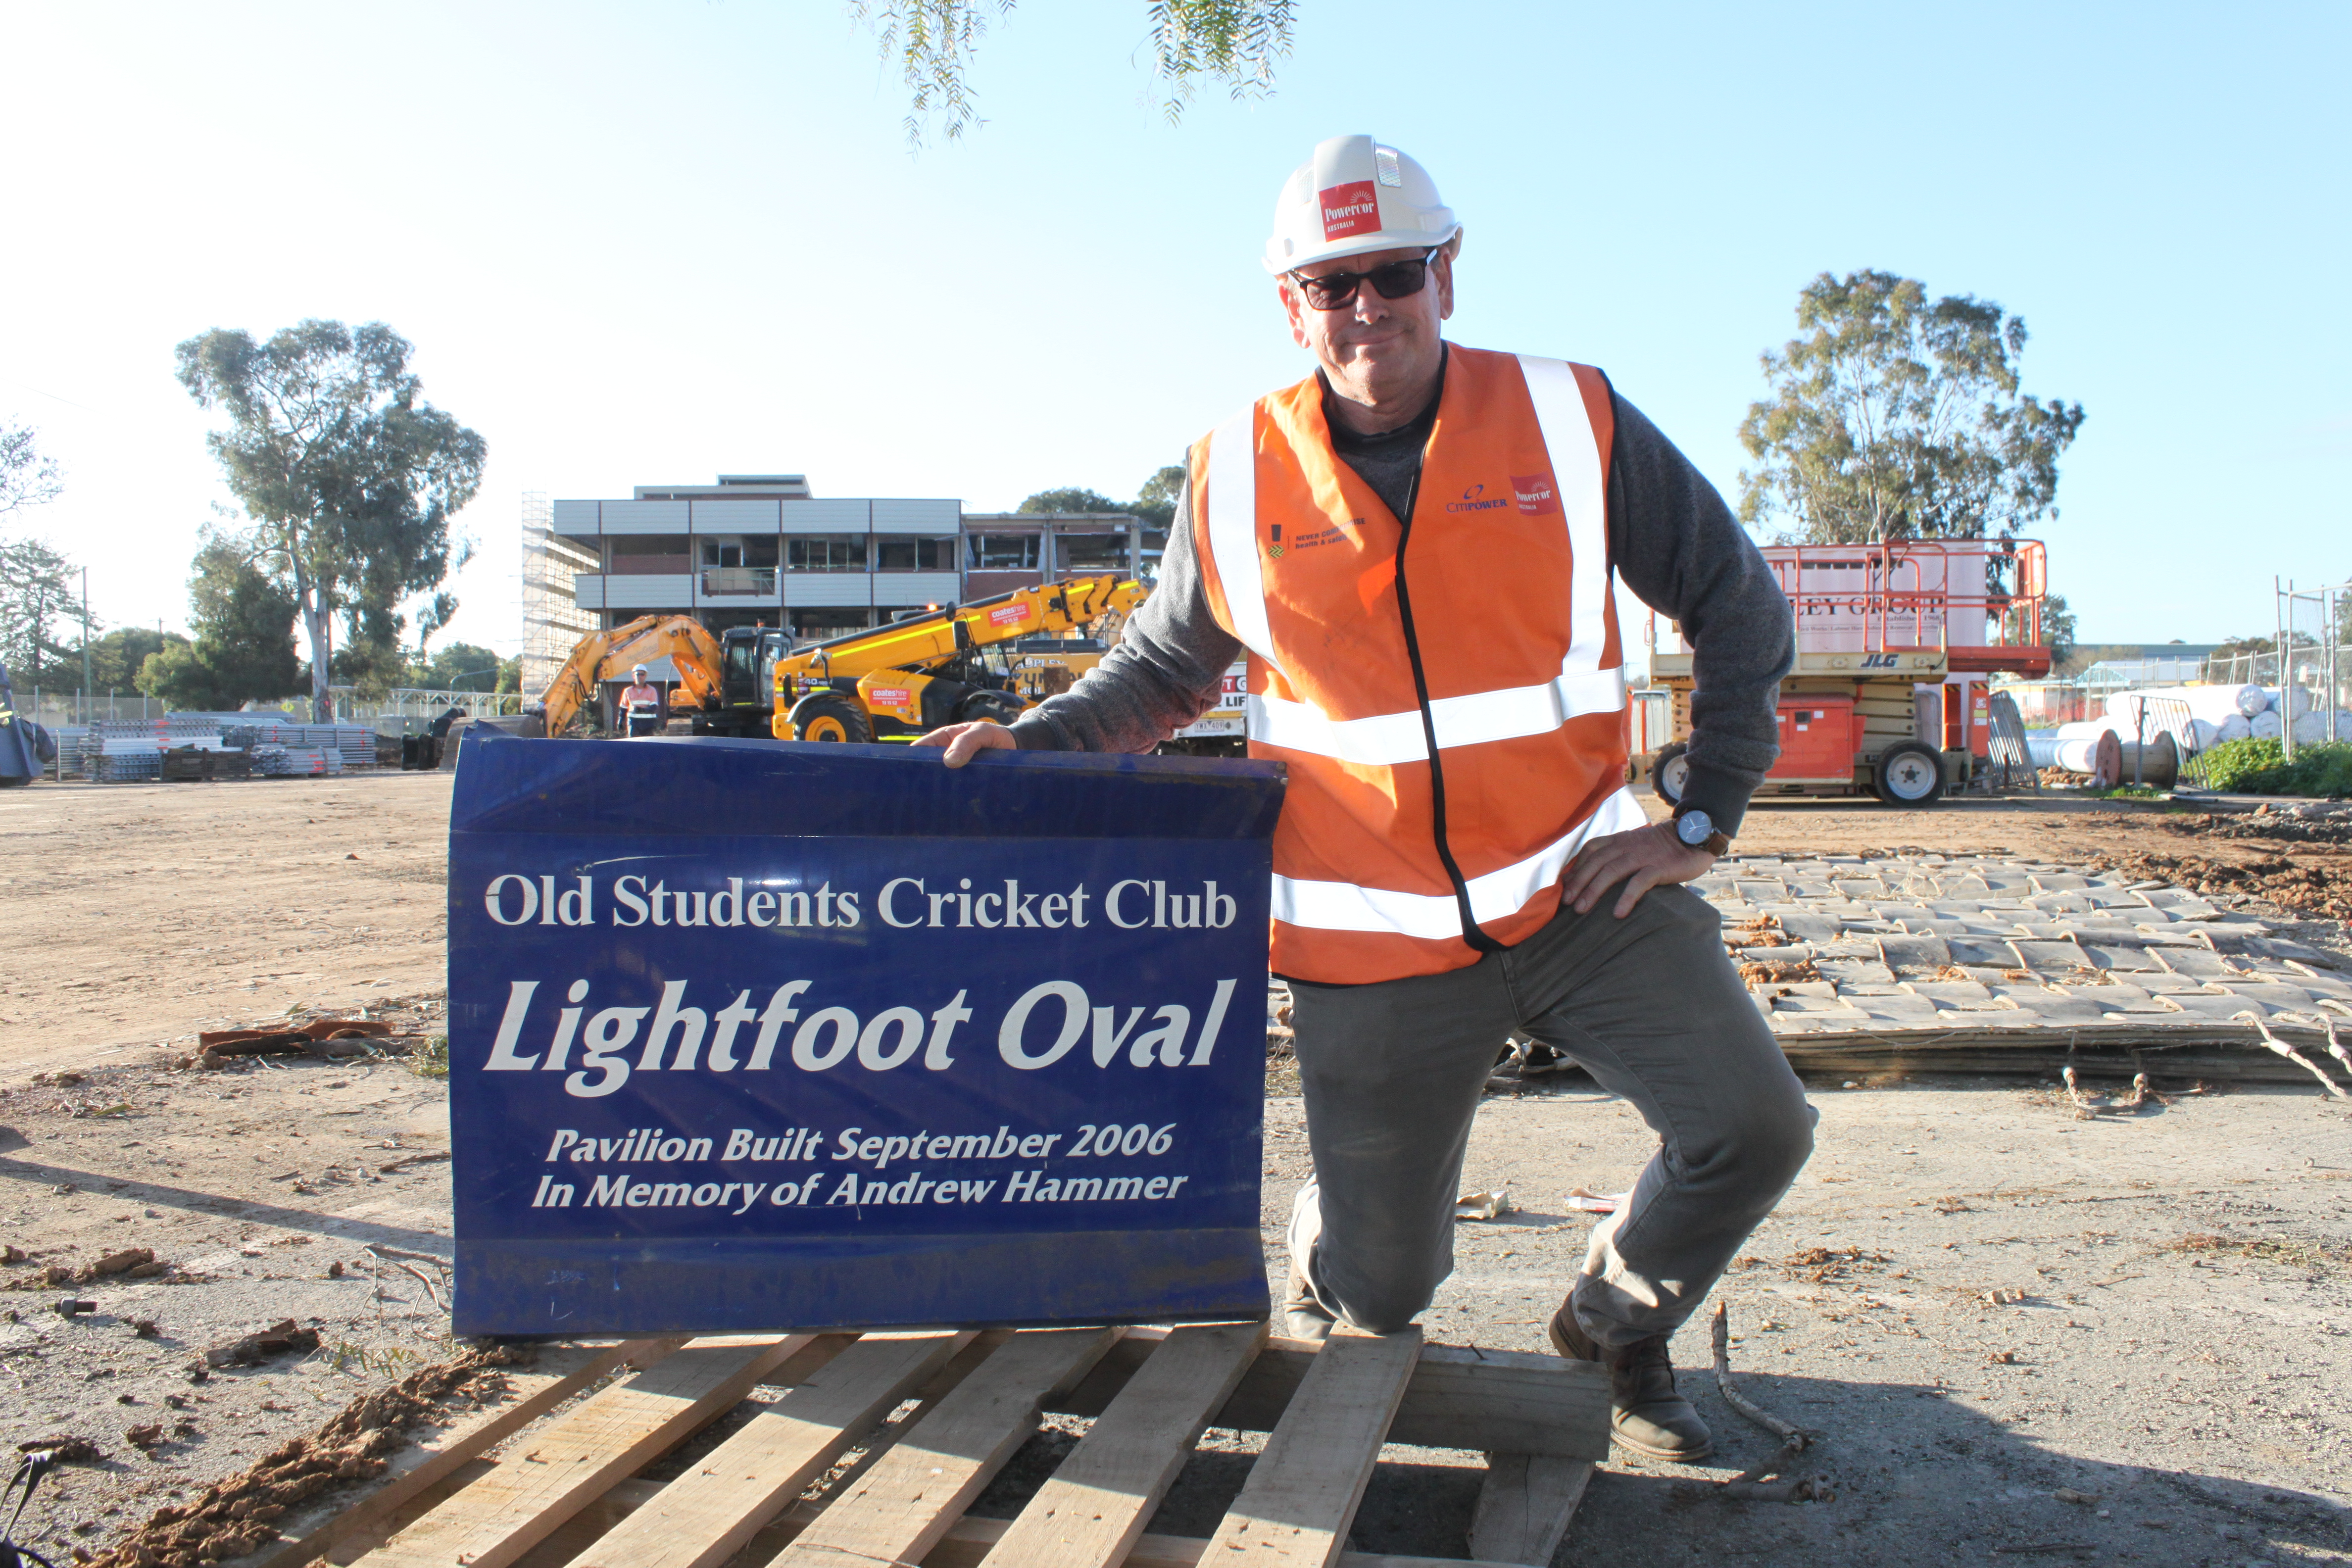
[(1392, 280)]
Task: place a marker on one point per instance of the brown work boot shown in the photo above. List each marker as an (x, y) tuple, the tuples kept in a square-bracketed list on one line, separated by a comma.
[(1646, 1414), (1304, 1317)]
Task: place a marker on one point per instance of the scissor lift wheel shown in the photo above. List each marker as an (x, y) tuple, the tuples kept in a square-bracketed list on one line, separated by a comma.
[(1909, 775), (1670, 775)]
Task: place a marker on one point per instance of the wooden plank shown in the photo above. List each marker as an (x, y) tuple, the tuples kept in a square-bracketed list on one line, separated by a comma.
[(704, 1517), (378, 1514), (907, 1500), (501, 1516), (1093, 1508), (1302, 1493), (585, 1527), (624, 1497), (357, 1543), (966, 1542), (1480, 1400), (1525, 1507), (972, 1536)]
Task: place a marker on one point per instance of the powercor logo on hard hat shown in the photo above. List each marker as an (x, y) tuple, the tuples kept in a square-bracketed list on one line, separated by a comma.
[(1353, 197), (1349, 209)]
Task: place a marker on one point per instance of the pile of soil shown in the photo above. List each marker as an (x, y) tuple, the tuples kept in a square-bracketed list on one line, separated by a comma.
[(2277, 826), (2316, 885), (234, 1516)]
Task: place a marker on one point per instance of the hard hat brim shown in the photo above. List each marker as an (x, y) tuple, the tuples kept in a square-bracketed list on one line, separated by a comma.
[(1361, 245)]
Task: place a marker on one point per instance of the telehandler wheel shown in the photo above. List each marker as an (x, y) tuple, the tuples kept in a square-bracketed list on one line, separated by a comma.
[(996, 707), (1908, 774), (830, 716), (1670, 773)]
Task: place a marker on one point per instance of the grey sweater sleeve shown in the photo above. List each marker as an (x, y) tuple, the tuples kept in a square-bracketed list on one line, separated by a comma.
[(1685, 555), (1167, 670)]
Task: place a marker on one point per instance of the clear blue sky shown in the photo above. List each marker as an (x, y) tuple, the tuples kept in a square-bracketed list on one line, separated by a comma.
[(652, 243)]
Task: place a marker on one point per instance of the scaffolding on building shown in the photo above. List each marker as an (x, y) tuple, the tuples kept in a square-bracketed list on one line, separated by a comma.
[(553, 621)]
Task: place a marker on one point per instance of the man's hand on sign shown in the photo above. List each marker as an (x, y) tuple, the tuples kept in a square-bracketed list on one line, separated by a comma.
[(965, 741), (1644, 858)]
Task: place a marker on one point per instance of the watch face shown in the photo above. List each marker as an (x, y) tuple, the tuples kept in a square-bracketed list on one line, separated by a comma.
[(1693, 827)]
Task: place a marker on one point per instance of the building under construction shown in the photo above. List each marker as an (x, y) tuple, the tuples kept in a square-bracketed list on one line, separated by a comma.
[(761, 549)]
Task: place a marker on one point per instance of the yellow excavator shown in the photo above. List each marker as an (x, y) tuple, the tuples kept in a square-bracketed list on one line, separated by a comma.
[(720, 677), (945, 666)]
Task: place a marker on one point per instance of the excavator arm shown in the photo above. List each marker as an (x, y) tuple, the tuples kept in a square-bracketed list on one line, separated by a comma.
[(607, 656)]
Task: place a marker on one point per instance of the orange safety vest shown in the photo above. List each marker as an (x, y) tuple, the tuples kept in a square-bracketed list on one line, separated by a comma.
[(1484, 622)]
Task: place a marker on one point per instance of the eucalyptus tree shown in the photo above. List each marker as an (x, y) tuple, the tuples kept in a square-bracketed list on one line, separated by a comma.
[(1895, 416), (349, 477)]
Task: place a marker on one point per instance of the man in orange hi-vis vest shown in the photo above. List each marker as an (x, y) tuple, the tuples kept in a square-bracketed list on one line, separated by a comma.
[(1414, 547)]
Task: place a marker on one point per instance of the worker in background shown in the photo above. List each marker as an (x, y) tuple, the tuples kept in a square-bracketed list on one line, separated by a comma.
[(641, 705), (1415, 546)]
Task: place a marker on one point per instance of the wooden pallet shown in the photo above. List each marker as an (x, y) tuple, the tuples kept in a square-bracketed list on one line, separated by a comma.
[(567, 1494)]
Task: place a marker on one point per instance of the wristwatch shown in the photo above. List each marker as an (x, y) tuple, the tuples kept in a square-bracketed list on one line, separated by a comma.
[(1697, 830)]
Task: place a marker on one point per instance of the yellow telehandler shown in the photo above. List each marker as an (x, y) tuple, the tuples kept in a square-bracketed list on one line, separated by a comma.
[(944, 666)]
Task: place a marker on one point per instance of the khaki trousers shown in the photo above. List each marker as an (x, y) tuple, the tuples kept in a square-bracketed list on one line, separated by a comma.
[(1650, 1007)]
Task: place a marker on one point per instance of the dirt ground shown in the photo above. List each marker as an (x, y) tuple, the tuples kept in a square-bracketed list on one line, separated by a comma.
[(2173, 1351), (2296, 856), (134, 915)]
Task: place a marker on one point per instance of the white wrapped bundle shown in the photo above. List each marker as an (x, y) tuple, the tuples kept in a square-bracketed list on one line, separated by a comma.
[(2266, 725), (2293, 701), (2236, 727), (2311, 729), (2251, 699), (2083, 730)]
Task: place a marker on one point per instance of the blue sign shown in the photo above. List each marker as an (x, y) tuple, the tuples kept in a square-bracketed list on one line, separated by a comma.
[(749, 1035)]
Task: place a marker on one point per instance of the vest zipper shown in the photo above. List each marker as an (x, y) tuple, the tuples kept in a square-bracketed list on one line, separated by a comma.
[(1476, 938)]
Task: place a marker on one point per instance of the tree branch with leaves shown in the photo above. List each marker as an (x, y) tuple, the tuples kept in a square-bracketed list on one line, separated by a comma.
[(1237, 42), (28, 476)]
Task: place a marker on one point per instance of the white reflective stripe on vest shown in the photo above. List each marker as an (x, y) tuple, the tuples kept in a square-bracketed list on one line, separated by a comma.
[(1386, 740), (1583, 491), (1343, 906), (1233, 529)]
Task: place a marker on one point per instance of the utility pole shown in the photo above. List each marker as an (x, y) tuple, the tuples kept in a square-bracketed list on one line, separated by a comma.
[(88, 713)]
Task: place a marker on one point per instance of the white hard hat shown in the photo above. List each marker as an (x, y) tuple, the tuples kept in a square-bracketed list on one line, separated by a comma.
[(637, 669), (1353, 197)]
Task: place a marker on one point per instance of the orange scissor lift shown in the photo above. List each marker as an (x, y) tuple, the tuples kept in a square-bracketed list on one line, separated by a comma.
[(1895, 645)]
